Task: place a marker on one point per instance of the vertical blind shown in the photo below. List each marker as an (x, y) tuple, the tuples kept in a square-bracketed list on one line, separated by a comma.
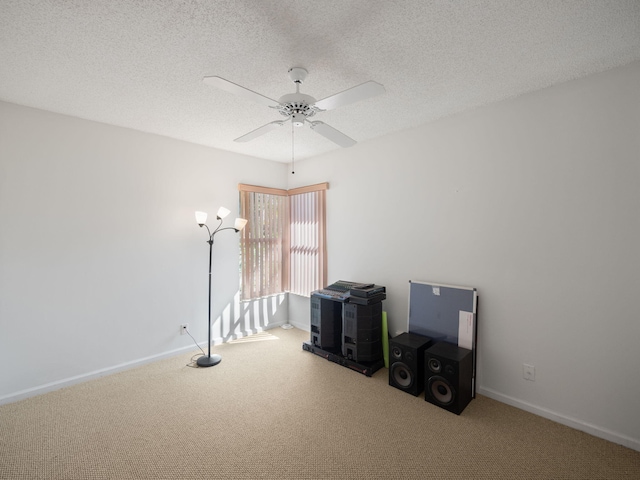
[(263, 243), (307, 251), (283, 246)]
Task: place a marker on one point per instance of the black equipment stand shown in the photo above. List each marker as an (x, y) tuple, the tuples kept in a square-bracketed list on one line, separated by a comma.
[(366, 368)]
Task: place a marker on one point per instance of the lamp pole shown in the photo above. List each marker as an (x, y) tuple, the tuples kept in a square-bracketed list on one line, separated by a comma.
[(201, 217)]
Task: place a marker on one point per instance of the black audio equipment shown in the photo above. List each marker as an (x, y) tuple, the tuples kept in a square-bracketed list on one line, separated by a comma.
[(367, 300), (343, 291), (366, 368), (335, 310), (406, 362), (362, 332), (342, 286), (329, 294), (339, 291), (448, 376), (326, 323), (366, 291)]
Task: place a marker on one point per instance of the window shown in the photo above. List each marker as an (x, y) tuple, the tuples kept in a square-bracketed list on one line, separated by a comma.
[(263, 243), (307, 250), (283, 246)]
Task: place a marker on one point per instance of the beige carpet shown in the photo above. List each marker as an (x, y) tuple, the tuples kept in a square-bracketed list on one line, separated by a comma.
[(272, 410)]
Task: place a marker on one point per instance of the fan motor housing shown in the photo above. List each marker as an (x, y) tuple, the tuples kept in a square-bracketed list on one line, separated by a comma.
[(298, 106)]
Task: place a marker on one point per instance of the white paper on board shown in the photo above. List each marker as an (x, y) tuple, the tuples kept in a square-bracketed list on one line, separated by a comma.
[(465, 330), (436, 290)]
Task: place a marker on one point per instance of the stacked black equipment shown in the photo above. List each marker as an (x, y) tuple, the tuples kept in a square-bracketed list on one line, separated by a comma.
[(367, 294), (362, 332), (326, 315), (346, 325), (325, 330)]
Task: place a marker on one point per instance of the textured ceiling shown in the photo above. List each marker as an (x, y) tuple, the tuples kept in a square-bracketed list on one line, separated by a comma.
[(139, 64)]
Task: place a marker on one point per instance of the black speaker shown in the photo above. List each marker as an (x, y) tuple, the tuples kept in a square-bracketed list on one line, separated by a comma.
[(406, 362), (448, 376), (326, 323), (362, 332)]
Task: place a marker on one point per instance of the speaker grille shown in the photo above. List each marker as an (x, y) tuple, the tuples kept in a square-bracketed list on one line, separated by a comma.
[(402, 375), (441, 390), (434, 365)]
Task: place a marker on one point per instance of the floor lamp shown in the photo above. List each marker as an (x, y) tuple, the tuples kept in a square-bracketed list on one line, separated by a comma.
[(201, 217)]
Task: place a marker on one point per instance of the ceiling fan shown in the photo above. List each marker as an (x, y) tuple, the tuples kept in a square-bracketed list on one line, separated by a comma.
[(298, 107)]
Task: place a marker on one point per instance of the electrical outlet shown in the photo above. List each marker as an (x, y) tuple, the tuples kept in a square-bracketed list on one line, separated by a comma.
[(183, 328), (529, 372)]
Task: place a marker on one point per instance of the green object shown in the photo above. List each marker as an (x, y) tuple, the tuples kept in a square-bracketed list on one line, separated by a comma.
[(385, 340)]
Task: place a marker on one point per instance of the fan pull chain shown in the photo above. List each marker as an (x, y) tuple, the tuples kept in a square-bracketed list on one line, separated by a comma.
[(292, 156)]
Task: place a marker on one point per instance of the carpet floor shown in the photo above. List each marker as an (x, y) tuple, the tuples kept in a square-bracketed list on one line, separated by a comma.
[(272, 410)]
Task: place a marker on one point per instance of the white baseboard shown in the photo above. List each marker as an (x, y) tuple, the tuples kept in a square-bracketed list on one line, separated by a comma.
[(301, 326), (67, 382), (563, 419)]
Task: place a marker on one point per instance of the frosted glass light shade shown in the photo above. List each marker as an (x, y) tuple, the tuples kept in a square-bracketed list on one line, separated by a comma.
[(240, 223), (201, 218), (223, 212)]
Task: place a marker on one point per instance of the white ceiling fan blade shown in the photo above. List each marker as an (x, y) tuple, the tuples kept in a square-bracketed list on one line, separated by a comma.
[(260, 131), (332, 134), (352, 95), (236, 89)]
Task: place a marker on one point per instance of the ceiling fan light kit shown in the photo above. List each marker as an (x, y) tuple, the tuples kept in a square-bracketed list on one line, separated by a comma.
[(298, 107)]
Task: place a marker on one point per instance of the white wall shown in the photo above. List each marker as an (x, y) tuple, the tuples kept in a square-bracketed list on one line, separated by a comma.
[(101, 259), (535, 202)]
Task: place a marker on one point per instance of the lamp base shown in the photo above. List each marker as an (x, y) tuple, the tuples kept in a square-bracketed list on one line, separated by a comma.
[(209, 361)]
